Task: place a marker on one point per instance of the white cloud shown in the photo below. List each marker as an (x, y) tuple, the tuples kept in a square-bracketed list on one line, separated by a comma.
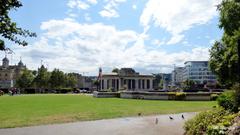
[(73, 46), (134, 6), (109, 10), (158, 42), (78, 4), (177, 16), (92, 1)]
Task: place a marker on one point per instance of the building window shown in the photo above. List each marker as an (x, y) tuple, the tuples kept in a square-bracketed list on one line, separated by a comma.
[(6, 74)]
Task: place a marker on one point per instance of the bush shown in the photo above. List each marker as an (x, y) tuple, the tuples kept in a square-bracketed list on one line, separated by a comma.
[(213, 97), (212, 122), (180, 96), (227, 101)]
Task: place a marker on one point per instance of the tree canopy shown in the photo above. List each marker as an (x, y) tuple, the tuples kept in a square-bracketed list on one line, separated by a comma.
[(9, 29), (223, 54), (25, 80)]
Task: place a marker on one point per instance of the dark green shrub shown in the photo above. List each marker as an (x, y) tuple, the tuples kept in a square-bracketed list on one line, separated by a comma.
[(227, 101), (213, 97)]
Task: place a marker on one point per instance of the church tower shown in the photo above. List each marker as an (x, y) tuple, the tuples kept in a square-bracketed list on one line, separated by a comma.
[(5, 62)]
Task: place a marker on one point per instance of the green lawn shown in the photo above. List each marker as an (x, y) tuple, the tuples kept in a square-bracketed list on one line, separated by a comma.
[(28, 110)]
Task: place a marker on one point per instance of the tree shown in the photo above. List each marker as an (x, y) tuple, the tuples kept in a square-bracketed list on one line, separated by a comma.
[(115, 70), (9, 29), (71, 80), (25, 79), (42, 77), (157, 82), (223, 54), (57, 79)]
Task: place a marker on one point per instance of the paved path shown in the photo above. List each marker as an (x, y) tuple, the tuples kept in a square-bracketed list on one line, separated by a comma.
[(121, 126)]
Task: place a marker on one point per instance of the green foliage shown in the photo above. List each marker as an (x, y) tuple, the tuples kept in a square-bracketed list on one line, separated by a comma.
[(57, 79), (180, 95), (212, 122), (42, 78), (115, 70), (25, 79), (71, 80), (188, 84), (9, 29), (214, 97), (226, 100), (223, 54)]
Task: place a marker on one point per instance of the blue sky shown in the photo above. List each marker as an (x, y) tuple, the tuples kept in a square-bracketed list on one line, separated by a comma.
[(148, 35)]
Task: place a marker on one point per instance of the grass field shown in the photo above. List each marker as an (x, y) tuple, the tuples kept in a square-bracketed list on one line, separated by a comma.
[(28, 110)]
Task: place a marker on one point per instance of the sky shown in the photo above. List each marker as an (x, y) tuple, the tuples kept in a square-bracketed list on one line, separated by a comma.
[(147, 35)]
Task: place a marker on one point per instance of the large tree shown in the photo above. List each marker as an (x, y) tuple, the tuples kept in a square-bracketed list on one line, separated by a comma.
[(25, 79), (42, 78), (71, 80), (223, 54), (57, 79), (9, 29)]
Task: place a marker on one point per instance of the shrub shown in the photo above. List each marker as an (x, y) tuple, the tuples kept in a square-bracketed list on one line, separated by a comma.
[(213, 97), (227, 101), (180, 96), (203, 122)]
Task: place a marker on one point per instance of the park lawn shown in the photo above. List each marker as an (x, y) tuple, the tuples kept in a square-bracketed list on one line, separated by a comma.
[(29, 110)]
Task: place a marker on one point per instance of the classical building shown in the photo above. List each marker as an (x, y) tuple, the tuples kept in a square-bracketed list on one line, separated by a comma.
[(126, 79), (199, 72), (9, 73)]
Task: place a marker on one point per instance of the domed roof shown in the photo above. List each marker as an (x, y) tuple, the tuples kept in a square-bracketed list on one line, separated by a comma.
[(20, 63), (5, 59)]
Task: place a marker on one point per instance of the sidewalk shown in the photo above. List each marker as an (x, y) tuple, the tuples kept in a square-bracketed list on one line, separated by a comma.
[(145, 125)]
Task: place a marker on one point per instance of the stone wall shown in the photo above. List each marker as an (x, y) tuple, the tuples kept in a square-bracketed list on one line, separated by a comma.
[(165, 96), (98, 94)]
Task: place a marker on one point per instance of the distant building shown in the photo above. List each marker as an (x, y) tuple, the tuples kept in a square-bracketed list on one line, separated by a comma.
[(166, 81), (177, 76), (127, 79), (83, 82), (9, 73), (199, 72)]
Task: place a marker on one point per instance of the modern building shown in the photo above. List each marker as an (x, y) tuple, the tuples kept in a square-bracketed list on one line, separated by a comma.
[(126, 79), (198, 71), (166, 81), (9, 73), (177, 76)]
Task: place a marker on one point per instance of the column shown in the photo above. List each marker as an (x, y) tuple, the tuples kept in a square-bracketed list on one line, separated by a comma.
[(119, 84), (151, 84), (105, 84), (136, 84)]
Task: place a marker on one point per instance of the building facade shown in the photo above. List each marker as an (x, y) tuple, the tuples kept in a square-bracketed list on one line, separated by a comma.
[(177, 76), (166, 81), (126, 79), (9, 73), (199, 72)]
